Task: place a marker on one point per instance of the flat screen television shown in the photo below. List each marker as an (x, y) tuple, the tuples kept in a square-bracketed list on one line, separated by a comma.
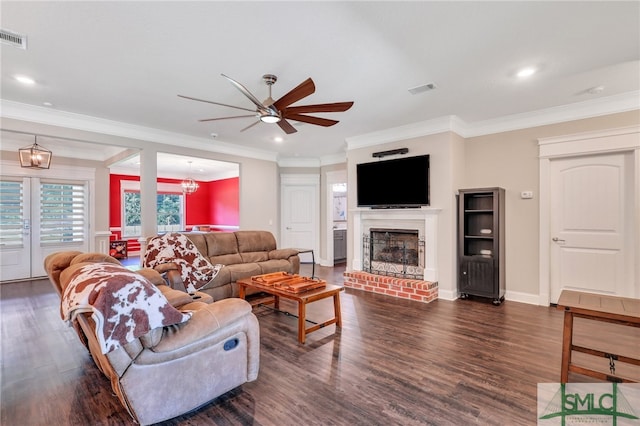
[(398, 183)]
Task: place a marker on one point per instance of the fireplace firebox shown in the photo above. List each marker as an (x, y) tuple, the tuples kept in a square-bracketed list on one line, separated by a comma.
[(394, 252)]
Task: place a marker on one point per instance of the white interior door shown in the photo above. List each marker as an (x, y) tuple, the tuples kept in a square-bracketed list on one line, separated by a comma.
[(299, 211), (15, 228), (591, 204)]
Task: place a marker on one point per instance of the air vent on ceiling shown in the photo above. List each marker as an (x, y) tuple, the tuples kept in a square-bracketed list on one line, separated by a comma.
[(14, 39), (422, 88)]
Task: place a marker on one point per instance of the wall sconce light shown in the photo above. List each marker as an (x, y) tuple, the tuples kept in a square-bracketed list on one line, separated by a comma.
[(189, 186), (35, 156)]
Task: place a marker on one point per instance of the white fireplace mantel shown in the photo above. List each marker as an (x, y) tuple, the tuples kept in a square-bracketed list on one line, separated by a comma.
[(426, 219)]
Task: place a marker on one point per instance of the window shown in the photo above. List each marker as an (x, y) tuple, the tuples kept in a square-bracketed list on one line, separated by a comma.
[(132, 213), (169, 208), (63, 208)]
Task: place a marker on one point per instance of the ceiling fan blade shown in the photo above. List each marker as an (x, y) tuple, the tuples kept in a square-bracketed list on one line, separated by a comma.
[(303, 90), (246, 92), (215, 103), (286, 126), (312, 120), (334, 107), (226, 118), (250, 126)]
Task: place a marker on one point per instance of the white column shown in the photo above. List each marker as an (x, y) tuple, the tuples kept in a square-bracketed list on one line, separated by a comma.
[(431, 247), (148, 195), (356, 262)]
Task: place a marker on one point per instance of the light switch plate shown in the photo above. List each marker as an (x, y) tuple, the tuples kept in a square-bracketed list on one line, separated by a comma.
[(525, 195)]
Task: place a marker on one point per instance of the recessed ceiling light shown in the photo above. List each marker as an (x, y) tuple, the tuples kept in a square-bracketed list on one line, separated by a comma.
[(526, 72), (595, 90), (47, 104), (278, 139), (422, 88), (25, 80)]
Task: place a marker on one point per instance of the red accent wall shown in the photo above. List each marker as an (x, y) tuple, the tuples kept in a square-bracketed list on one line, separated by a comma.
[(225, 201), (214, 203)]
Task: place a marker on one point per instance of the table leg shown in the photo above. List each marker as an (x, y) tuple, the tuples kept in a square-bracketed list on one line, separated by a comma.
[(313, 265), (241, 291), (567, 342), (336, 309), (302, 313), (276, 302)]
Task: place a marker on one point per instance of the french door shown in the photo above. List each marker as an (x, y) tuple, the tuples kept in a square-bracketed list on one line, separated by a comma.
[(39, 217)]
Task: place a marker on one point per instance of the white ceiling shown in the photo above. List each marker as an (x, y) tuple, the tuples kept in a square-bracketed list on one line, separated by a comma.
[(128, 61)]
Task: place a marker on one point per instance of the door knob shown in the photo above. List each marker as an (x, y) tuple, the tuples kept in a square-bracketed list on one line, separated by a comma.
[(557, 240)]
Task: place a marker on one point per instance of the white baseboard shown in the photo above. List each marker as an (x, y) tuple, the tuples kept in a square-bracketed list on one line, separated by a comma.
[(517, 296), (447, 294), (514, 296)]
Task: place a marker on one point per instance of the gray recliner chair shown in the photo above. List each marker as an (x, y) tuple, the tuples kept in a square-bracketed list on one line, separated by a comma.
[(174, 369)]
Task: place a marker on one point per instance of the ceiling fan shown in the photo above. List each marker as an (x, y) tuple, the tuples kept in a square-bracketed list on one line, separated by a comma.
[(270, 111)]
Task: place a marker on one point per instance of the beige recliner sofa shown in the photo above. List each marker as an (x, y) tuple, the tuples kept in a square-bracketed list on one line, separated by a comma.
[(243, 254), (174, 369)]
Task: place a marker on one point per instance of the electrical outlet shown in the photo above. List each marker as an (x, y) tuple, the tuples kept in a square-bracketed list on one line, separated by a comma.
[(525, 195)]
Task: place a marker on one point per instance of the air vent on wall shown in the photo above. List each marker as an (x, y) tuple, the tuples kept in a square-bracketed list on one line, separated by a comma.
[(422, 88), (14, 39)]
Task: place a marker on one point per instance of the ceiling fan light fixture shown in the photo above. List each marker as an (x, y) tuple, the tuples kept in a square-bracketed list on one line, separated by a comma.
[(270, 118)]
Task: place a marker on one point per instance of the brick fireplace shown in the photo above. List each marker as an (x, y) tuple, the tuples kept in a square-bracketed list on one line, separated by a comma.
[(407, 266)]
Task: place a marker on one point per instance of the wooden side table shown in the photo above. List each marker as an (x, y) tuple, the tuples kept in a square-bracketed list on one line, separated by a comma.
[(612, 309), (313, 259)]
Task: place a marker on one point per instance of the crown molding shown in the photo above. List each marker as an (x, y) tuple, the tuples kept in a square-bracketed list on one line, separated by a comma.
[(328, 160), (577, 111), (299, 162), (42, 115), (623, 102), (408, 131), (580, 110)]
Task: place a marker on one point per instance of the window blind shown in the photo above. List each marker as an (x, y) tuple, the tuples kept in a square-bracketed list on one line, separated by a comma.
[(63, 211), (11, 213)]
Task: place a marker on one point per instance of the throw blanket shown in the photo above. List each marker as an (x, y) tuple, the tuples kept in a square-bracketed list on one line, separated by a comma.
[(123, 304), (195, 270)]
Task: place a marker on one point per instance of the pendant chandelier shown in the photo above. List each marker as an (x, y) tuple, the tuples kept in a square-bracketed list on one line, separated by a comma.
[(35, 156), (189, 186)]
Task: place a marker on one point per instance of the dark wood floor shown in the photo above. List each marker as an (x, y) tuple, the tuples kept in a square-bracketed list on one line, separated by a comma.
[(394, 362)]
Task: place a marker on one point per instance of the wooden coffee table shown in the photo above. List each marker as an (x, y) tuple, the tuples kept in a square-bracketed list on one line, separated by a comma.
[(303, 299)]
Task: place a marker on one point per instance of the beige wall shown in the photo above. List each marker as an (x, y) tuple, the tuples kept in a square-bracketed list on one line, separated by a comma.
[(510, 160), (326, 222)]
